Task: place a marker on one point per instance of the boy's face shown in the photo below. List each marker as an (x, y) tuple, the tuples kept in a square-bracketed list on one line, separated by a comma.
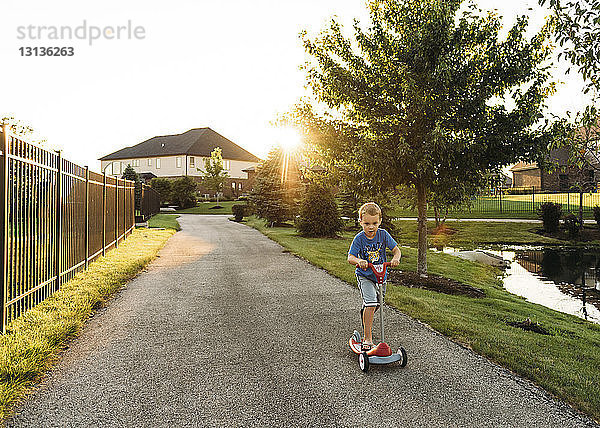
[(370, 224)]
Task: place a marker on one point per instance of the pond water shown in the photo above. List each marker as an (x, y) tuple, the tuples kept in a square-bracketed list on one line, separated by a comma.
[(565, 279)]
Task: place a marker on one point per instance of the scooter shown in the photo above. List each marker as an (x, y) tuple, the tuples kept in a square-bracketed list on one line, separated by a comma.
[(382, 353)]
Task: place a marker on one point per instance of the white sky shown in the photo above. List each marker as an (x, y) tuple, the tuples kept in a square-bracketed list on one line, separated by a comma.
[(232, 65)]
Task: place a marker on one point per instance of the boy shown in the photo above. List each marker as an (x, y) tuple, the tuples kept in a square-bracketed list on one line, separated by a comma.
[(369, 246)]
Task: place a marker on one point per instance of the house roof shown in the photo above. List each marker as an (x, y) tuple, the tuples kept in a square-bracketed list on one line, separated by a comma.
[(523, 166), (195, 142)]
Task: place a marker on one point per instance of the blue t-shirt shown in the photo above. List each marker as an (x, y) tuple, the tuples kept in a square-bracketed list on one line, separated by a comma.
[(371, 250)]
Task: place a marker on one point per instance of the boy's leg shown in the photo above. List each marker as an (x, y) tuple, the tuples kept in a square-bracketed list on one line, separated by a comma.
[(368, 323)]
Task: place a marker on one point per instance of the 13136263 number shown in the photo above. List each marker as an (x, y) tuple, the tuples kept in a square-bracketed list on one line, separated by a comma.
[(47, 51)]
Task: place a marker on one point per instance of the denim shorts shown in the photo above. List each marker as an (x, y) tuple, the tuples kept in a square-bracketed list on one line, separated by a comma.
[(368, 291)]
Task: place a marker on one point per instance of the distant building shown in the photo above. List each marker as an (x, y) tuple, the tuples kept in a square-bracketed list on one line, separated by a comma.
[(563, 179), (173, 156)]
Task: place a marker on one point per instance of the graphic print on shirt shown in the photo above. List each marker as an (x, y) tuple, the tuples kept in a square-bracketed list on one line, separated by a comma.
[(373, 252)]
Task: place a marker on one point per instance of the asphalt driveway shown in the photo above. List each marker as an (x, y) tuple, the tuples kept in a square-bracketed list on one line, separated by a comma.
[(225, 329)]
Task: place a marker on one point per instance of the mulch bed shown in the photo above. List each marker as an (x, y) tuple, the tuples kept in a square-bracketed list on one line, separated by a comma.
[(434, 283), (587, 233), (529, 325)]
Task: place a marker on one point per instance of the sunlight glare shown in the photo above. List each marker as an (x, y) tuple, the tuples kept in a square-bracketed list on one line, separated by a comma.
[(288, 139)]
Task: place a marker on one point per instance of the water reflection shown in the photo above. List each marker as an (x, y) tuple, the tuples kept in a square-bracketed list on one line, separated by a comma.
[(574, 271), (564, 279)]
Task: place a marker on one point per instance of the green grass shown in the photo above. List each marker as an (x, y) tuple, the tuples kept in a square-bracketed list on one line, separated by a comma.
[(33, 341), (166, 221), (470, 234), (204, 208), (566, 363)]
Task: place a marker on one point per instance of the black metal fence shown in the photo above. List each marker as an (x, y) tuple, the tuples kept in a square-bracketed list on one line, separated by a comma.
[(528, 200), (55, 218)]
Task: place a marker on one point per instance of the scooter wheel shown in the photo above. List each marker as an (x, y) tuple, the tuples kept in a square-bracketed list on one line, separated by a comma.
[(363, 361), (404, 357)]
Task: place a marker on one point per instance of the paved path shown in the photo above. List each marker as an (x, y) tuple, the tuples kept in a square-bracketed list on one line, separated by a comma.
[(225, 329)]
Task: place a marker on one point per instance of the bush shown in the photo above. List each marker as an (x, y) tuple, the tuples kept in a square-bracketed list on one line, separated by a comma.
[(164, 188), (184, 192), (319, 216), (597, 215), (572, 224), (550, 214), (238, 212)]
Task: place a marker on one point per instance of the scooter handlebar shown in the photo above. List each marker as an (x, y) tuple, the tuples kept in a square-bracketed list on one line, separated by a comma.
[(379, 270)]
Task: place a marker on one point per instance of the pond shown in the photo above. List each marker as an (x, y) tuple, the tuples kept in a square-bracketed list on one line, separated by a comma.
[(565, 279)]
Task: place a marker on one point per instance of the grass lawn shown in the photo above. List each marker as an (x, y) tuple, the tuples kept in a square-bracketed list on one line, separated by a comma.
[(470, 234), (565, 363), (33, 341), (166, 221), (205, 208)]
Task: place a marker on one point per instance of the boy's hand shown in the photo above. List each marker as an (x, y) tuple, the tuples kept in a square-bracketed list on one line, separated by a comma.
[(394, 262), (363, 264)]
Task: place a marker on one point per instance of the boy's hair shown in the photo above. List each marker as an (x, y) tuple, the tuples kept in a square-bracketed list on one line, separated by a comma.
[(370, 208)]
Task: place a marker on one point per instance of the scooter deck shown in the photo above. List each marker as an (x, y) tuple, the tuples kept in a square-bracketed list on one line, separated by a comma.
[(374, 359)]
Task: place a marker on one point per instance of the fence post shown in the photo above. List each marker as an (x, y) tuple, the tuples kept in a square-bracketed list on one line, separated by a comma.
[(124, 208), (500, 193), (4, 225), (87, 215), (103, 213), (532, 198), (116, 212), (58, 210)]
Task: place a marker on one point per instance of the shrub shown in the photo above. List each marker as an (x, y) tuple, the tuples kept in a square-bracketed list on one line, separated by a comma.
[(319, 215), (550, 214), (597, 215), (572, 224), (184, 192), (238, 212), (164, 188)]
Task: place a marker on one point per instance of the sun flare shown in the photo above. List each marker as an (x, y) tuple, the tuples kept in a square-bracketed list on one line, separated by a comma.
[(288, 139)]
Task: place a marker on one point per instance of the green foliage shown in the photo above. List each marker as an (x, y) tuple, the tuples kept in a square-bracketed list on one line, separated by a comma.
[(184, 192), (550, 214), (572, 224), (597, 215), (419, 98), (577, 31), (214, 176), (130, 174), (271, 198), (164, 187), (319, 216), (238, 212)]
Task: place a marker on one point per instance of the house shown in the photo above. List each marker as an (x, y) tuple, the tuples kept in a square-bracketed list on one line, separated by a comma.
[(563, 179), (173, 156)]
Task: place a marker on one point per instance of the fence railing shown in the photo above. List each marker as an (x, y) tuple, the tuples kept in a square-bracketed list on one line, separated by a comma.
[(55, 218), (147, 202)]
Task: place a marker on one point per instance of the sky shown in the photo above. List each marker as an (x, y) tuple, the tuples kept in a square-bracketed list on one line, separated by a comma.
[(231, 65)]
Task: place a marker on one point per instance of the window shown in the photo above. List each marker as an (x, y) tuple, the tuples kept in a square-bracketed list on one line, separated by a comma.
[(178, 161), (233, 185), (135, 162), (225, 164), (149, 162), (158, 163), (192, 161)]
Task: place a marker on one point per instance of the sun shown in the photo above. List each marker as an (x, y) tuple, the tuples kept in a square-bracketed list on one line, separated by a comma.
[(288, 139)]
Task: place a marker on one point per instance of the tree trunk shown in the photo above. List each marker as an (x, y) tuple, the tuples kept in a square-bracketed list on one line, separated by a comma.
[(436, 214), (580, 208), (422, 230)]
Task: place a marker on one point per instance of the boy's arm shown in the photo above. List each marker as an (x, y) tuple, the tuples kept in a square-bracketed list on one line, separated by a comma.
[(353, 260), (396, 256)]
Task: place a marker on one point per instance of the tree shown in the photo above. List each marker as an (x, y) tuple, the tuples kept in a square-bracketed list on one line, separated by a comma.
[(184, 192), (164, 188), (130, 174), (319, 216), (422, 99), (273, 198), (577, 31), (214, 177)]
